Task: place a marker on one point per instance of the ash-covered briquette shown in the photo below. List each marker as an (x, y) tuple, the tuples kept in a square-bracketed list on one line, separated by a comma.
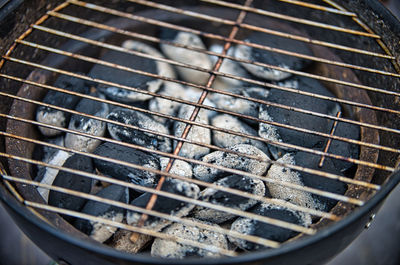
[(55, 117), (302, 120), (279, 173), (164, 204), (122, 241), (245, 52), (229, 122), (257, 228), (96, 230), (228, 67), (126, 173), (72, 181), (87, 125), (187, 56), (196, 133), (234, 104), (172, 249), (166, 106), (48, 174), (319, 182), (217, 197), (128, 78), (233, 161), (141, 120), (179, 167), (193, 94)]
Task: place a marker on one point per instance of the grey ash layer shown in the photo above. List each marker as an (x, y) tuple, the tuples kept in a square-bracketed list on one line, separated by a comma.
[(243, 145)]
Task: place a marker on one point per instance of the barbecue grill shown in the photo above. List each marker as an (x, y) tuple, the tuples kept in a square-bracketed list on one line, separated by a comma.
[(354, 53)]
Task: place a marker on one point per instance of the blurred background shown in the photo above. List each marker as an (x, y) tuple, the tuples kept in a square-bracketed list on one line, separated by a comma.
[(377, 245)]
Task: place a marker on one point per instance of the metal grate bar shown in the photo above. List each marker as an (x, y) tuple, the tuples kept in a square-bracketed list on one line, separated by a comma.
[(254, 239), (214, 36), (280, 223), (198, 162), (257, 11), (319, 7), (276, 143)]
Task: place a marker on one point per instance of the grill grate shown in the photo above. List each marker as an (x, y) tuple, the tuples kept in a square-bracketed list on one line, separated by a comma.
[(368, 124)]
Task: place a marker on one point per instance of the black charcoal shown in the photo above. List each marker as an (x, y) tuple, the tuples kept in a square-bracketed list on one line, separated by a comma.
[(141, 120), (257, 228), (233, 161), (229, 122), (87, 125), (187, 56), (96, 230), (164, 204), (196, 133), (72, 181), (302, 120), (129, 78), (245, 52), (319, 182), (217, 197), (140, 177), (55, 117), (172, 249)]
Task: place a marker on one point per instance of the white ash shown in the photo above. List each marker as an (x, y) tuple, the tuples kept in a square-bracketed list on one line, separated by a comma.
[(166, 106), (122, 241), (134, 136), (187, 56), (228, 66), (50, 174), (164, 204), (46, 153), (233, 161), (257, 228), (298, 197), (229, 122), (192, 94), (217, 197), (244, 52), (179, 167), (269, 132), (234, 104), (101, 232), (172, 249), (196, 133), (87, 125), (55, 118)]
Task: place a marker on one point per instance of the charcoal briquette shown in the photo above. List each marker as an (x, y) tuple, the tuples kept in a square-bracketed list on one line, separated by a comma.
[(55, 117), (179, 167), (245, 52), (217, 197), (134, 136), (87, 125), (187, 56), (128, 78), (172, 249), (72, 181), (229, 122), (234, 161), (164, 204), (97, 230), (257, 228), (126, 173)]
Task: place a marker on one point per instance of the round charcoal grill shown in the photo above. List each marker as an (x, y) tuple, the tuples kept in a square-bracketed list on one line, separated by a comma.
[(354, 53)]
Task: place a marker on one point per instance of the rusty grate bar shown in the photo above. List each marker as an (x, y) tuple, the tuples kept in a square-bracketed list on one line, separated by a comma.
[(319, 7)]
